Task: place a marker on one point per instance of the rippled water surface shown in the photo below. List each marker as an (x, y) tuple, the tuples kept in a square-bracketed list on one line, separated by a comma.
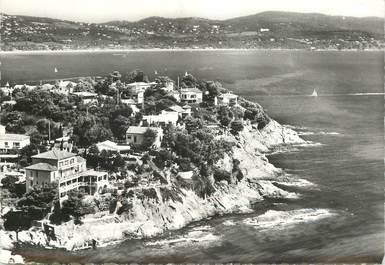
[(339, 215)]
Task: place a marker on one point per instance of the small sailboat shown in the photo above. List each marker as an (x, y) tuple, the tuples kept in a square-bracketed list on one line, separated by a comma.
[(314, 94), (156, 72), (56, 70)]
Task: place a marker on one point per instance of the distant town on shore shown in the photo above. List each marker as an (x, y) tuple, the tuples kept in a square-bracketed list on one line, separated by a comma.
[(267, 30)]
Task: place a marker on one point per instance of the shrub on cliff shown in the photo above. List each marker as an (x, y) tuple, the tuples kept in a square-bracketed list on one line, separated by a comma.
[(171, 194), (147, 194), (75, 207), (236, 171), (34, 205), (203, 186), (255, 113), (221, 174), (236, 127), (225, 115)]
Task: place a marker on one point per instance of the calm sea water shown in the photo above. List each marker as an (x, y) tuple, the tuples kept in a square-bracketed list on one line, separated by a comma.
[(346, 166)]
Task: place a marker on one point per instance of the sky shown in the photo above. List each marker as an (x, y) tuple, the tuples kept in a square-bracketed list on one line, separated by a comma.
[(132, 10)]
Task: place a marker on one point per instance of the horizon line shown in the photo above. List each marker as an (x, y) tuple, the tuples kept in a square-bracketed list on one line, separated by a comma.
[(181, 17)]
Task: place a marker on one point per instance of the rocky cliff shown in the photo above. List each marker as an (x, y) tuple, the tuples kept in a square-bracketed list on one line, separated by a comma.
[(151, 216)]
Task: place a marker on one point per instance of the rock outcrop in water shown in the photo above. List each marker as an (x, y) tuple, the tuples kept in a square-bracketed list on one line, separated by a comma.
[(151, 216)]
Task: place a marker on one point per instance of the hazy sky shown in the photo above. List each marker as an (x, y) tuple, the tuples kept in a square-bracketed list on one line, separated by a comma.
[(105, 10)]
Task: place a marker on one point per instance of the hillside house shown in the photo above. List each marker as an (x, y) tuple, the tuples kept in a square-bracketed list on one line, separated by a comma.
[(137, 87), (175, 94), (112, 146), (191, 95), (87, 97), (66, 87), (8, 103), (135, 135), (7, 90), (182, 111), (48, 86), (163, 118), (228, 99), (66, 169), (63, 143), (169, 86), (10, 141)]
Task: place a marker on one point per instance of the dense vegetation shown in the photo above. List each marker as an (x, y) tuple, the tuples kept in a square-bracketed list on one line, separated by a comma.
[(190, 146)]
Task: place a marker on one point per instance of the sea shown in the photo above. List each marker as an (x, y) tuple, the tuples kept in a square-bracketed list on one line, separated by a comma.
[(338, 216)]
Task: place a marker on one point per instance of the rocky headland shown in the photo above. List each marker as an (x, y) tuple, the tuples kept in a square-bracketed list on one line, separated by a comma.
[(149, 217)]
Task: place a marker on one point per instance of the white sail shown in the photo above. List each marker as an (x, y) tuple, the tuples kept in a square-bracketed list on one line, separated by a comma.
[(314, 94), (56, 70)]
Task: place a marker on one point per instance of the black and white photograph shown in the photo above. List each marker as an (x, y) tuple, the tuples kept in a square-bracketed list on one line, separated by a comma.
[(192, 131)]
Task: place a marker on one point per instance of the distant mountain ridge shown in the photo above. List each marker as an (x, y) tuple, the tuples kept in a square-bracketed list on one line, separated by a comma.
[(271, 29)]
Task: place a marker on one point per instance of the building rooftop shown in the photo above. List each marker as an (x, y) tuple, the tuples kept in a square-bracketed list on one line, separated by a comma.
[(92, 172), (13, 137), (176, 108), (140, 84), (85, 94), (42, 167), (80, 159), (190, 89), (55, 155), (66, 83), (228, 95), (128, 101), (112, 146), (139, 130)]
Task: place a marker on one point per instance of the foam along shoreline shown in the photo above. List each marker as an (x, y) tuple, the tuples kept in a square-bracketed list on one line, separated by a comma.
[(150, 217), (279, 220), (26, 52)]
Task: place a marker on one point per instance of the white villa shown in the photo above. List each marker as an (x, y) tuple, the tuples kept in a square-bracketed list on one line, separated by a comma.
[(228, 99), (182, 111), (87, 97), (66, 87), (191, 95), (9, 141), (28, 87), (48, 86), (66, 169), (137, 87), (112, 146), (169, 86), (7, 90), (135, 135), (175, 94), (163, 118)]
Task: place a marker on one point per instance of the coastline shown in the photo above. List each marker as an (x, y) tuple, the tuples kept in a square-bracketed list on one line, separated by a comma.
[(27, 52), (151, 217)]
